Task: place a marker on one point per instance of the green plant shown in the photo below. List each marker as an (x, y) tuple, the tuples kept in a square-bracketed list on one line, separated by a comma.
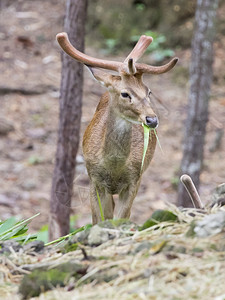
[(42, 234), (12, 229), (158, 140), (146, 141), (157, 49), (158, 217), (66, 237), (111, 24), (100, 206), (34, 160)]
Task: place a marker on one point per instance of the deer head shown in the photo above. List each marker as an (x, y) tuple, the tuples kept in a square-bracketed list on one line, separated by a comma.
[(130, 98)]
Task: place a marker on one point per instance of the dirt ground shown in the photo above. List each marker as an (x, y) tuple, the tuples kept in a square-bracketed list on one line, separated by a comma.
[(29, 91)]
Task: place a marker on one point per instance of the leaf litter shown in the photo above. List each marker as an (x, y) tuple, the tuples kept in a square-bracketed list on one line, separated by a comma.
[(162, 261)]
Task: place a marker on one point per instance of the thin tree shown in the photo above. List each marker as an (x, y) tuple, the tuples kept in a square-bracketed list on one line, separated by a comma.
[(69, 122), (200, 83)]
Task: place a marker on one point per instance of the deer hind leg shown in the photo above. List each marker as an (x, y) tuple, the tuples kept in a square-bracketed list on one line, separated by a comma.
[(107, 203), (126, 199)]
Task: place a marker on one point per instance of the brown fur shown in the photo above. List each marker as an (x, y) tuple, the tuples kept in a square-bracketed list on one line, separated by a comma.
[(113, 145)]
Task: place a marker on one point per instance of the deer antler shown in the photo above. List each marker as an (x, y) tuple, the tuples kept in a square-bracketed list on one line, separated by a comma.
[(65, 44), (129, 66), (143, 68), (139, 49)]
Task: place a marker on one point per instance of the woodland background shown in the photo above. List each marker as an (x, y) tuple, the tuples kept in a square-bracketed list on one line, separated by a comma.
[(30, 79)]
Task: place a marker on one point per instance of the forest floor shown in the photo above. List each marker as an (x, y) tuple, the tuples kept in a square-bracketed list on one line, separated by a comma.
[(29, 92), (180, 256)]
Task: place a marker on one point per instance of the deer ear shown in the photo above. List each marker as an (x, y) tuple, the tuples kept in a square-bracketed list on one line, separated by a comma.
[(104, 78)]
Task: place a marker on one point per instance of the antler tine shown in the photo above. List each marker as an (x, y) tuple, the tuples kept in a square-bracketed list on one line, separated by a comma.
[(137, 52), (139, 49), (143, 68), (65, 44), (131, 67)]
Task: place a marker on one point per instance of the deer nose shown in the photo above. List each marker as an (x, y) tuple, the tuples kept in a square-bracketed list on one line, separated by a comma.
[(152, 122)]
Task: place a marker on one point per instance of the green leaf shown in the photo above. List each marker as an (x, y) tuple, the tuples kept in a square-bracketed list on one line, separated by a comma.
[(12, 229), (34, 160), (7, 224), (25, 238), (146, 141), (158, 140), (14, 232), (159, 216), (42, 234), (100, 206), (63, 238)]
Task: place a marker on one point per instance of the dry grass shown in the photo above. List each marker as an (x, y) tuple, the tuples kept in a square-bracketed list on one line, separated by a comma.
[(160, 262)]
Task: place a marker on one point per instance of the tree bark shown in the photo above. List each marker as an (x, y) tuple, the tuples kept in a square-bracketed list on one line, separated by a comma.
[(69, 122), (200, 83)]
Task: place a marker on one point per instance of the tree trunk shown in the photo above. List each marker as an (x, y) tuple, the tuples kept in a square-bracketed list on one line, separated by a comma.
[(69, 122), (200, 82)]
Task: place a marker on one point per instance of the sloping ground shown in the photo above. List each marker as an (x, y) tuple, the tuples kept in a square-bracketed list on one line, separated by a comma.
[(30, 80), (181, 259)]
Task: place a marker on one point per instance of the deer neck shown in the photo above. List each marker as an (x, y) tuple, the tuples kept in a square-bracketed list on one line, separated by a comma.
[(118, 136)]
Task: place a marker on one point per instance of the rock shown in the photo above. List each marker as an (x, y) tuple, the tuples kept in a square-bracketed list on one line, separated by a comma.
[(210, 225), (142, 246), (5, 126), (80, 237), (7, 246), (36, 133), (103, 232), (97, 236), (35, 246), (15, 154), (28, 185), (218, 196), (7, 200)]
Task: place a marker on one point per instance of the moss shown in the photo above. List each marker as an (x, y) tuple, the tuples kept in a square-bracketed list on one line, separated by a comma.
[(69, 247), (41, 280)]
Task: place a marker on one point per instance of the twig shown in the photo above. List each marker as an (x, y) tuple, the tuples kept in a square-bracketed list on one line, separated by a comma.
[(192, 191)]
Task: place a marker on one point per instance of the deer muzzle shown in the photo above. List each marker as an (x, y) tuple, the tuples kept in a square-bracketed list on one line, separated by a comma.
[(152, 122)]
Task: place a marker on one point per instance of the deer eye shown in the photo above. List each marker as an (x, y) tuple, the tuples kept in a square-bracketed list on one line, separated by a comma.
[(125, 95)]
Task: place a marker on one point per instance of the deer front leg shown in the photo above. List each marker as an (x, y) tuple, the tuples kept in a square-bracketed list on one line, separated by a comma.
[(107, 203), (126, 199)]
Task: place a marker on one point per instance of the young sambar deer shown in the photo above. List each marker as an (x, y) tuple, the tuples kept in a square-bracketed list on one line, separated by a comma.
[(113, 142)]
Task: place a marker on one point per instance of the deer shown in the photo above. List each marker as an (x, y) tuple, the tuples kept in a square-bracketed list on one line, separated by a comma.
[(113, 142)]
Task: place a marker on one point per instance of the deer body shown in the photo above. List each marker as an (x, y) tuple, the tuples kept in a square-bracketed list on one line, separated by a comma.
[(113, 142), (113, 150)]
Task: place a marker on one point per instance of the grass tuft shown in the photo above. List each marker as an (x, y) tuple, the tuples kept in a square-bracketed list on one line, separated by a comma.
[(100, 206), (158, 140), (11, 229)]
